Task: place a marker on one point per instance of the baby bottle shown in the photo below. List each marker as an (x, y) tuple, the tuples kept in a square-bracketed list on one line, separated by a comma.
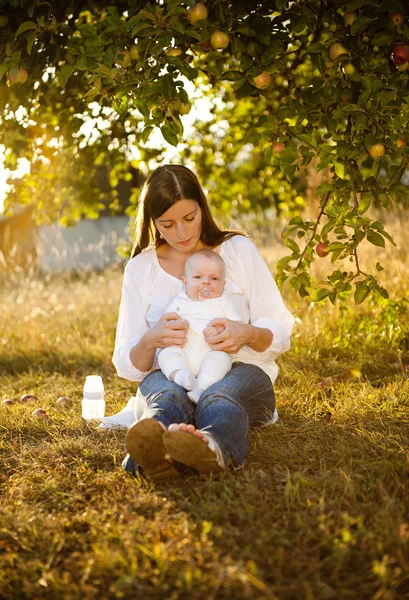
[(93, 403)]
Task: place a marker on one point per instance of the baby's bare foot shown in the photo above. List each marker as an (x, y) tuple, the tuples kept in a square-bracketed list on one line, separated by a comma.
[(188, 429)]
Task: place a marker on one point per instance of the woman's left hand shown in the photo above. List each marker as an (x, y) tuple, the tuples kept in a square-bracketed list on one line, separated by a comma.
[(234, 336)]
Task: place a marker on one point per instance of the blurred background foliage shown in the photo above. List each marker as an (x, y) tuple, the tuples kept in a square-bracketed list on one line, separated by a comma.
[(300, 114)]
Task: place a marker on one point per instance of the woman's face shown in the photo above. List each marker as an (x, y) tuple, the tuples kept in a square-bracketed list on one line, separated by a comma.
[(181, 226)]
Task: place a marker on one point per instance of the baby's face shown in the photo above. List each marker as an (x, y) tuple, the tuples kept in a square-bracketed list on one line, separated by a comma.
[(204, 274)]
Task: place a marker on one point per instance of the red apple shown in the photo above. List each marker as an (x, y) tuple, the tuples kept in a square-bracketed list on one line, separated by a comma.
[(27, 398), (219, 40), (349, 18), (278, 147), (401, 143), (40, 413), (321, 249), (400, 55), (397, 18), (403, 67), (8, 401), (198, 12), (335, 50), (64, 402), (377, 150), (262, 81)]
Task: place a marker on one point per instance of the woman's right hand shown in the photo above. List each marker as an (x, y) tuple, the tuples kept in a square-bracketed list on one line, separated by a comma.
[(170, 330)]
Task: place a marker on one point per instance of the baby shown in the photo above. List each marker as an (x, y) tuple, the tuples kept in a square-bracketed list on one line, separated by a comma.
[(196, 366)]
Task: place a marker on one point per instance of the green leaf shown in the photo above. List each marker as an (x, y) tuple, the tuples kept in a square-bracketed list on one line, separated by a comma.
[(169, 135), (383, 38), (318, 295), (65, 74), (232, 75), (364, 202), (292, 245), (376, 239), (335, 246), (25, 27), (340, 170), (379, 267), (361, 292), (283, 263), (323, 188), (3, 70), (247, 30)]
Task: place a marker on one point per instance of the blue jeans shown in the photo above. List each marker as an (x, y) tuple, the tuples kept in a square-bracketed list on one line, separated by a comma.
[(244, 398)]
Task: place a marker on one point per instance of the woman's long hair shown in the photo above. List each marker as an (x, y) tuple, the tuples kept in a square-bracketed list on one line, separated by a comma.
[(165, 186)]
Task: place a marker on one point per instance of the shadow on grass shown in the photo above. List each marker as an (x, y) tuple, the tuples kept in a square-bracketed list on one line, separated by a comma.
[(317, 507), (54, 362)]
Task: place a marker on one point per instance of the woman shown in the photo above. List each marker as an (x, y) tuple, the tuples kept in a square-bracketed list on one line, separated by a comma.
[(174, 221)]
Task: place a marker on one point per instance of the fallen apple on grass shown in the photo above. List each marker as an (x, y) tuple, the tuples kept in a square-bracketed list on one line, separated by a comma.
[(8, 401), (39, 413), (64, 402), (27, 398)]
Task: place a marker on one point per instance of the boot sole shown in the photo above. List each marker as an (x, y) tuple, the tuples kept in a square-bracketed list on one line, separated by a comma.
[(143, 442), (189, 450)]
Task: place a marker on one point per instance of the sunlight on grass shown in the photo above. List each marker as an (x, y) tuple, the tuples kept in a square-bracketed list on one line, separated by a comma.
[(320, 510)]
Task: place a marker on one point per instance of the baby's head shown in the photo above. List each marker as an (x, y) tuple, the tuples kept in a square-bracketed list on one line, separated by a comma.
[(204, 270)]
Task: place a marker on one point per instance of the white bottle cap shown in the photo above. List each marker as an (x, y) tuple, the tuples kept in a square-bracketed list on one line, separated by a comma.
[(93, 383), (93, 388)]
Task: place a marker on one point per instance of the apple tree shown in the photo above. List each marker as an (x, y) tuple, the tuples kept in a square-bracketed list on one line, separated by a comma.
[(293, 83)]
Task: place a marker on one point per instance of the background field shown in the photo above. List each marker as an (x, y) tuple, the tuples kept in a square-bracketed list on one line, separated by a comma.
[(321, 509)]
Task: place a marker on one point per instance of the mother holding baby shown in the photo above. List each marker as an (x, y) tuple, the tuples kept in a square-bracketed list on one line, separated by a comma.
[(173, 433)]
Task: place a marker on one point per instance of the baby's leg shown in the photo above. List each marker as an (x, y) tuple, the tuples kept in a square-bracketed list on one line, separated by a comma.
[(174, 366), (214, 367)]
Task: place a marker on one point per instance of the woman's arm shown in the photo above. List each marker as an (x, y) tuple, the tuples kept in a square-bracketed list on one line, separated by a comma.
[(170, 330)]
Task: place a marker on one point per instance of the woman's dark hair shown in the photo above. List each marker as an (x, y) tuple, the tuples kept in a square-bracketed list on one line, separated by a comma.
[(165, 186)]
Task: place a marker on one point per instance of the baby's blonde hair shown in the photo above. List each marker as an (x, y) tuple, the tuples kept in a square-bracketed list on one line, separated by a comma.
[(209, 254)]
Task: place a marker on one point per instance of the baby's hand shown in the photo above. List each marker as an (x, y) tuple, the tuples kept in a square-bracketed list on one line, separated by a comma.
[(211, 331)]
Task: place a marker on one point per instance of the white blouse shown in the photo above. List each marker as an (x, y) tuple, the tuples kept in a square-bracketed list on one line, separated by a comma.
[(148, 289)]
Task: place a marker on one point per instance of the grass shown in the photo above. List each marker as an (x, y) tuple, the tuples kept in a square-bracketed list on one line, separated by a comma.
[(320, 511)]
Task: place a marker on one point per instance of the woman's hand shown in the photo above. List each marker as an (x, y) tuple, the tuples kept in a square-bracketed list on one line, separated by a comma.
[(233, 337), (170, 330)]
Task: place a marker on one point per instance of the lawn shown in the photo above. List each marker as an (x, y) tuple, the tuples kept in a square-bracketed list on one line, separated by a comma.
[(320, 511)]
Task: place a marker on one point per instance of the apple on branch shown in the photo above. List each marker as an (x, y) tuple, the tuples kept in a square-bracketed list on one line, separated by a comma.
[(198, 12), (349, 18), (397, 18), (401, 143), (219, 40), (400, 54), (377, 150), (174, 52), (278, 147), (335, 50), (321, 249), (262, 81)]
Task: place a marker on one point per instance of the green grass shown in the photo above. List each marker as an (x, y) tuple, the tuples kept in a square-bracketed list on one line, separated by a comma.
[(321, 509)]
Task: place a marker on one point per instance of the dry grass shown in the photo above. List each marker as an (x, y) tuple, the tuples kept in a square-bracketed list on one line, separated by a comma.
[(320, 511)]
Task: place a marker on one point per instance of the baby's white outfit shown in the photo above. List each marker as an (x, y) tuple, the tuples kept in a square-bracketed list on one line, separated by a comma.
[(196, 355)]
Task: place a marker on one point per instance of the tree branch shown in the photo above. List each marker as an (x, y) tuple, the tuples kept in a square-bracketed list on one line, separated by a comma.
[(314, 231)]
